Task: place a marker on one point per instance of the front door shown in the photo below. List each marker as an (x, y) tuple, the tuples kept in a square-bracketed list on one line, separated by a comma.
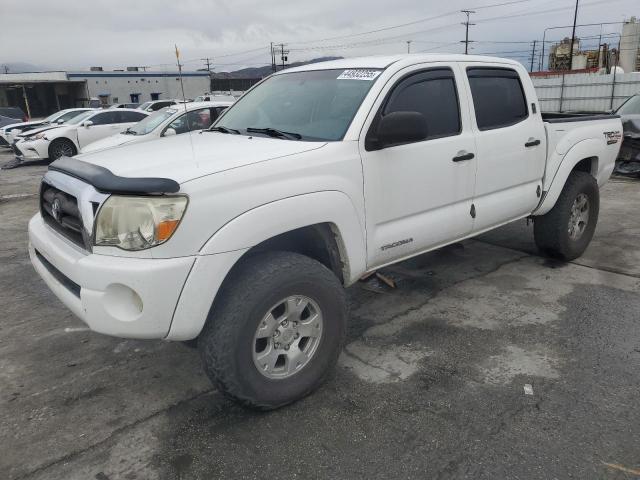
[(511, 144), (418, 195), (103, 126)]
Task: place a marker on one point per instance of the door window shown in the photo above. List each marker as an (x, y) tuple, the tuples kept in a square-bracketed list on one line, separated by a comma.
[(498, 97), (105, 118), (130, 117), (432, 93)]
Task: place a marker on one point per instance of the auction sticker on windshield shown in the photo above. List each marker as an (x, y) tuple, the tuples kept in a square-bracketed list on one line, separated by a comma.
[(359, 74)]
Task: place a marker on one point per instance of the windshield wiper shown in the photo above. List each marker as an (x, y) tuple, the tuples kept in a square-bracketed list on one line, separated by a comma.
[(223, 130), (272, 132)]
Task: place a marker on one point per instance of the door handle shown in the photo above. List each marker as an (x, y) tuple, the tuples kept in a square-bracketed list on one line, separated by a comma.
[(463, 156), (532, 143)]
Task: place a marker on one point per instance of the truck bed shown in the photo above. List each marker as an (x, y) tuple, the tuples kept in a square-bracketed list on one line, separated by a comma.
[(552, 117)]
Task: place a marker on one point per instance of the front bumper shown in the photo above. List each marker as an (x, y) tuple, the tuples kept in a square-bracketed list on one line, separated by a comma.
[(119, 296), (32, 149)]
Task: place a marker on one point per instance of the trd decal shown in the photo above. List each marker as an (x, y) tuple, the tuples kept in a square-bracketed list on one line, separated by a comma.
[(396, 244), (612, 137)]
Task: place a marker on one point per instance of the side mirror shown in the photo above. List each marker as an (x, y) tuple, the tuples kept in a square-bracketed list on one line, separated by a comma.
[(169, 132), (401, 127), (60, 122), (87, 123)]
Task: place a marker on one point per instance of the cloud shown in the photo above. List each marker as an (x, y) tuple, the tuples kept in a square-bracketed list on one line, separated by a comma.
[(117, 33)]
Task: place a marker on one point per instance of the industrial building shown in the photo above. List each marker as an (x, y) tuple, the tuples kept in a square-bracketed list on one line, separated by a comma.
[(42, 93), (626, 55), (630, 46)]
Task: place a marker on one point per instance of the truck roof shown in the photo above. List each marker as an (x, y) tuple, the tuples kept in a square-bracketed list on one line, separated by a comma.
[(383, 61)]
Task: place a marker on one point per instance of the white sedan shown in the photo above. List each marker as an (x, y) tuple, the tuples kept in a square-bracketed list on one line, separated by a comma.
[(70, 138), (10, 132), (169, 121)]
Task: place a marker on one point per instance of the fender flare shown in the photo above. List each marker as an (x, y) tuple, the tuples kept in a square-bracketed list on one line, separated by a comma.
[(589, 148), (266, 221), (227, 246)]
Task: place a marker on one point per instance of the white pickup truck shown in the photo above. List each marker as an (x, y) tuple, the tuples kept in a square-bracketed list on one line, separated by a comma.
[(241, 237)]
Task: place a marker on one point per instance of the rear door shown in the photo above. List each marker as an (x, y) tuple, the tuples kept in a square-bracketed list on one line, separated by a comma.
[(418, 195), (511, 143)]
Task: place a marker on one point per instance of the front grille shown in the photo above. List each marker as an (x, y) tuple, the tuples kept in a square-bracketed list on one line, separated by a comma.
[(70, 285), (3, 142), (60, 211)]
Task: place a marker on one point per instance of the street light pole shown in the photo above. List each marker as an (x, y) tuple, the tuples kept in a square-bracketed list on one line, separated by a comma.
[(573, 36)]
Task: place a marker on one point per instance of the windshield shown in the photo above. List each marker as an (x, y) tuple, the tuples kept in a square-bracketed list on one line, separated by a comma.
[(64, 118), (630, 107), (81, 118), (316, 105), (150, 123), (144, 105), (54, 116)]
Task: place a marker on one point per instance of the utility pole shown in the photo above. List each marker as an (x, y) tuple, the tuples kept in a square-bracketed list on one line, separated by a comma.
[(409, 46), (573, 36), (283, 55), (533, 55), (207, 62), (466, 40), (273, 59)]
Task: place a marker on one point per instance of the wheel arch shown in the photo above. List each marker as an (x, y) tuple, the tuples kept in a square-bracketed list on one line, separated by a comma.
[(585, 157), (63, 139), (323, 225)]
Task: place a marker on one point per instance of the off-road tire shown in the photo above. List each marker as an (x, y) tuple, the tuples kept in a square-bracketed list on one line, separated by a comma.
[(61, 142), (252, 287), (551, 232)]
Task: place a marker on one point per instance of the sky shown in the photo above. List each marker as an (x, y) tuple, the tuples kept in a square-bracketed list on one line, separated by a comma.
[(74, 35)]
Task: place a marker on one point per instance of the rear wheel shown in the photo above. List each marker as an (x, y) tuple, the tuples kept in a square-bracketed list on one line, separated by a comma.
[(567, 229), (275, 330), (61, 147)]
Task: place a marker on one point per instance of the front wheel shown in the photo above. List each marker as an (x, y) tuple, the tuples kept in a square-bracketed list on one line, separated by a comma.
[(275, 331), (567, 229), (61, 147)]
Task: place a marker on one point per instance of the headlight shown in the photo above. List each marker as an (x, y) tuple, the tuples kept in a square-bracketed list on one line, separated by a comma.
[(39, 136), (137, 223)]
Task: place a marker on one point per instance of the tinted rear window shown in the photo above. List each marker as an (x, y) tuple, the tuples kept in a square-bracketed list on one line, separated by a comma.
[(498, 97)]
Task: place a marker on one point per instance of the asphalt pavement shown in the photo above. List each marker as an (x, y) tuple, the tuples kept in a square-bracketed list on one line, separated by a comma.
[(486, 362)]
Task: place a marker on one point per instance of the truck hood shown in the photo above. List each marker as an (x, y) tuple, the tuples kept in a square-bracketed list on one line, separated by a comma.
[(113, 141), (188, 156)]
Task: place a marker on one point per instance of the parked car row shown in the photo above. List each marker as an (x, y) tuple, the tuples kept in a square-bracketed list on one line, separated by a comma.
[(8, 132), (68, 132)]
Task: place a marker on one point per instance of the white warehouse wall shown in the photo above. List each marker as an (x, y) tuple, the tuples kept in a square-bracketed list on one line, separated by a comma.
[(120, 85), (585, 91)]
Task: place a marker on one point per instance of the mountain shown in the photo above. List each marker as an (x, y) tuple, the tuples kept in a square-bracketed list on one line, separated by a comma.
[(21, 67), (260, 72)]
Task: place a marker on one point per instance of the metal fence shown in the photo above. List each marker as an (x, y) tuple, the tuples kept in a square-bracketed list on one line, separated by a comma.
[(586, 91)]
